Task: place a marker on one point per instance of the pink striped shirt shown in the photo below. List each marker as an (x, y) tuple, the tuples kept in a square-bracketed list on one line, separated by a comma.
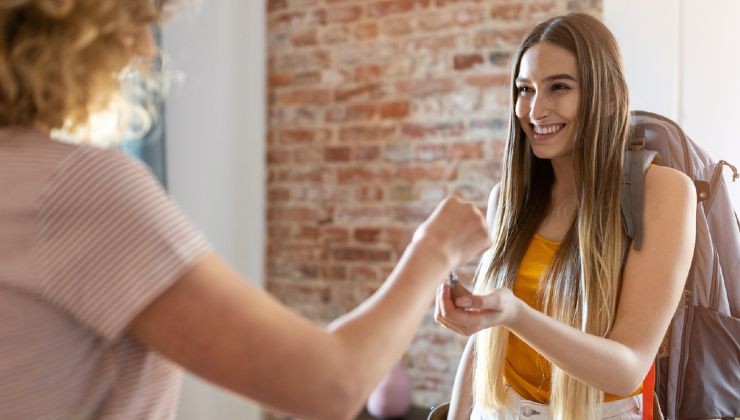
[(88, 238)]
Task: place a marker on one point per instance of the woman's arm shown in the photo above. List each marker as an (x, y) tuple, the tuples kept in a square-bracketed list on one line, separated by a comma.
[(220, 327), (461, 402), (653, 280)]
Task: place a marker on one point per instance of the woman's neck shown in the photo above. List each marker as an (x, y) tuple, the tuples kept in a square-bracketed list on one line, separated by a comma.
[(564, 185)]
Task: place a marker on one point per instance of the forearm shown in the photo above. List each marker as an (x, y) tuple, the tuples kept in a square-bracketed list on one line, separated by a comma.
[(375, 335), (600, 362), (461, 400)]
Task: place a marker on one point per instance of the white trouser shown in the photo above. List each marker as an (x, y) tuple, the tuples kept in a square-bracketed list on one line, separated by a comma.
[(517, 408)]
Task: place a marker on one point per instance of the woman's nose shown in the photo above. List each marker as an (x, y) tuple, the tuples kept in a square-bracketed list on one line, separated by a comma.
[(540, 107)]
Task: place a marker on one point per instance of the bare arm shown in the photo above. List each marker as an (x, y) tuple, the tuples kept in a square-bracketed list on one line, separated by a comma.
[(653, 279), (461, 403), (220, 327)]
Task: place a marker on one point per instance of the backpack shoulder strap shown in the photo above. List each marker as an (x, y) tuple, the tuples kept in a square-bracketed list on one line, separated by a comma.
[(636, 162)]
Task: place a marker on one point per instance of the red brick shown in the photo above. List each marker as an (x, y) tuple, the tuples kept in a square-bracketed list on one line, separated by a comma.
[(485, 81), (437, 20), (278, 194), (303, 37), (397, 26), (360, 254), (368, 193), (298, 61), (367, 133), (291, 213), (508, 11), (306, 78), (364, 274), (389, 7), (293, 19), (278, 231), (305, 155), (395, 109), (358, 214), (468, 17), (334, 272), (274, 5), (467, 150), (278, 157), (440, 129), (298, 175), (435, 172), (352, 112), (442, 3), (335, 34), (363, 90), (423, 87), (280, 79), (499, 38), (335, 234), (303, 136), (362, 175), (339, 14), (368, 72), (367, 234), (366, 31), (308, 233), (366, 153), (306, 97), (466, 61), (337, 154)]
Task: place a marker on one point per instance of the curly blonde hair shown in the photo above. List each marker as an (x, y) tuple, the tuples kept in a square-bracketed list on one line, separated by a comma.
[(60, 59)]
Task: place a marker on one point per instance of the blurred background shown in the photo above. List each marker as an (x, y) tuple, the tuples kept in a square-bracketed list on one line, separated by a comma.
[(310, 137)]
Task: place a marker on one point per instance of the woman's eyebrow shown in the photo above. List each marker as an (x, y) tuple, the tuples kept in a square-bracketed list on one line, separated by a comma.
[(549, 78)]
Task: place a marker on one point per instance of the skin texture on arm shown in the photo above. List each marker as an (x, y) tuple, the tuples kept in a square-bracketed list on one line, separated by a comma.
[(461, 401), (221, 328), (653, 280)]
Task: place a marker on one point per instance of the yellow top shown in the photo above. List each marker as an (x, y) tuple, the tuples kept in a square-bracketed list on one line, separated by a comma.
[(525, 369)]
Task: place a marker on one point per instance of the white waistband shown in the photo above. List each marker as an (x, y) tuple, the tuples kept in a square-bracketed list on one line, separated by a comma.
[(519, 408)]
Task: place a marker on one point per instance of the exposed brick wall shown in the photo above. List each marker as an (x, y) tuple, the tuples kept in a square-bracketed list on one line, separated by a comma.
[(377, 110)]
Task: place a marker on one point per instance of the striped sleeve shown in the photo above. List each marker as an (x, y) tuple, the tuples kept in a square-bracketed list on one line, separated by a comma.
[(109, 239)]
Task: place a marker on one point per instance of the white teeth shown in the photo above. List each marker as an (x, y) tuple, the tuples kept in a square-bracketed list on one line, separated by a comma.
[(548, 130)]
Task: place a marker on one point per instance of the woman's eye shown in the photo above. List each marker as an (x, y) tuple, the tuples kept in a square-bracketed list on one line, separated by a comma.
[(560, 86), (525, 89)]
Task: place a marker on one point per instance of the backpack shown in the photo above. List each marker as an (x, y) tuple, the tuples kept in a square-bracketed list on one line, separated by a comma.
[(697, 370)]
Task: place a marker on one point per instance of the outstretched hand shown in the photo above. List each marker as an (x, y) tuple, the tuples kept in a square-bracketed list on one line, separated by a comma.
[(457, 228), (470, 314)]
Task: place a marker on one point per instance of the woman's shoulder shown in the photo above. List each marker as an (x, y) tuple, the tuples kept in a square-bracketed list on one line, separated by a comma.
[(667, 188), (663, 179)]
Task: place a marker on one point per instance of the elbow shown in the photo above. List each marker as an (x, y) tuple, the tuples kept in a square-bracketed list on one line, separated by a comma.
[(625, 382), (344, 401), (623, 388)]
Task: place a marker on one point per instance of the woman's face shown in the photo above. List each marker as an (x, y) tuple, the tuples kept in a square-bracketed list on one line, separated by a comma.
[(547, 99)]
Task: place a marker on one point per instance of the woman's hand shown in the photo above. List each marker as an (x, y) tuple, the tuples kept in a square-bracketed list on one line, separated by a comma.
[(457, 229), (470, 314)]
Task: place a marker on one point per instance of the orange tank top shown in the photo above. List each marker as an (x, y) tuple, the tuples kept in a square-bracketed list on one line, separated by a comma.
[(525, 370)]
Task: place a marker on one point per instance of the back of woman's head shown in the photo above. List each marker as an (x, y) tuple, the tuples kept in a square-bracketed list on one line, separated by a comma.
[(580, 285), (60, 59)]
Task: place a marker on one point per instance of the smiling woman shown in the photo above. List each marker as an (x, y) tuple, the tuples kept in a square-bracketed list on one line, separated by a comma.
[(567, 318)]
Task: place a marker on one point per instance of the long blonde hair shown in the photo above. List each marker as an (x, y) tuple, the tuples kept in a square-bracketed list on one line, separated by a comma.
[(582, 281)]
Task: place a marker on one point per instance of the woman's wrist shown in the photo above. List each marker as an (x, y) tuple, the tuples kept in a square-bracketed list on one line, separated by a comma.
[(433, 249), (519, 314)]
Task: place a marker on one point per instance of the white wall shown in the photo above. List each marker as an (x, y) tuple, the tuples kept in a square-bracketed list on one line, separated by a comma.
[(681, 59), (215, 146)]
